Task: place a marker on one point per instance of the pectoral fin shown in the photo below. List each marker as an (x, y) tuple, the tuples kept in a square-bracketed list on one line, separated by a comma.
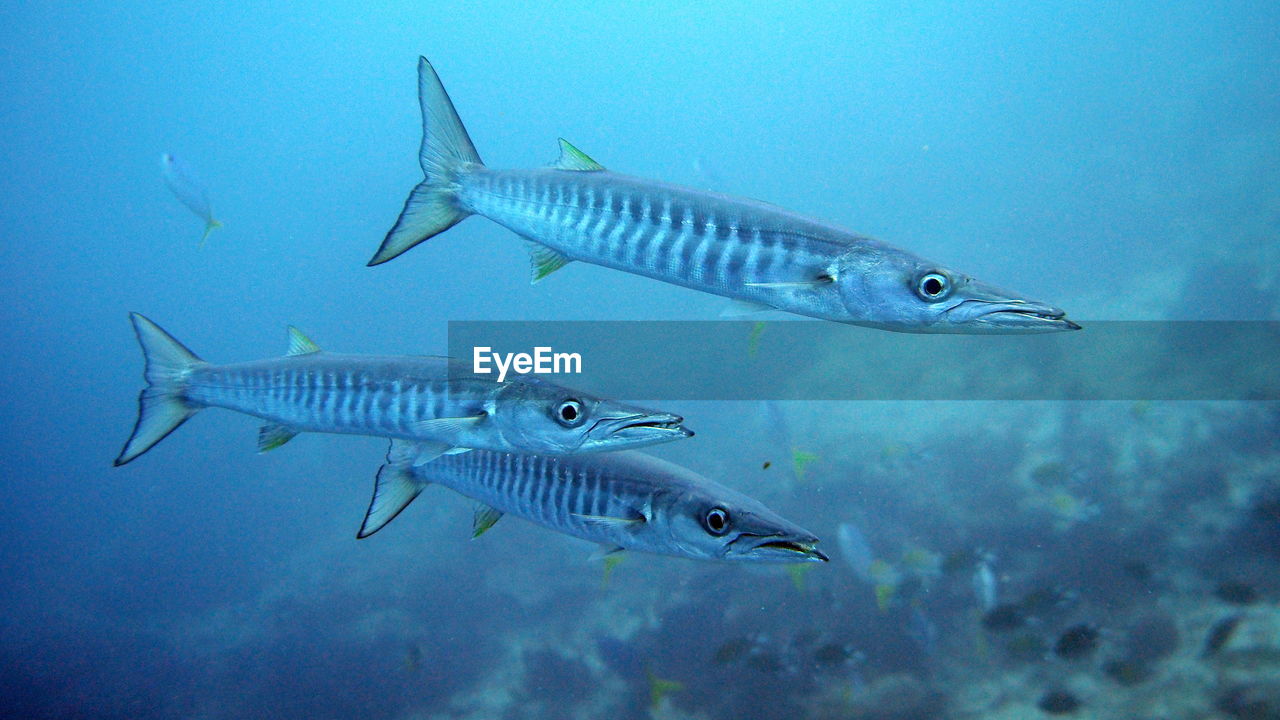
[(447, 426), (814, 282), (609, 521), (409, 454), (427, 451)]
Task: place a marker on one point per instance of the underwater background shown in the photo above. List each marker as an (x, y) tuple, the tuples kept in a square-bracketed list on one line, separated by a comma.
[(1121, 161)]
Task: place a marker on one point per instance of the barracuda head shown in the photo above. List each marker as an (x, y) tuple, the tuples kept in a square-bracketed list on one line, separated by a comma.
[(887, 288), (713, 522), (537, 416)]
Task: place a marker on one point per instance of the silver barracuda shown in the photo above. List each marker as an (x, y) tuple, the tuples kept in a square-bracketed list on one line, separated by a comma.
[(430, 400), (760, 255), (624, 501)]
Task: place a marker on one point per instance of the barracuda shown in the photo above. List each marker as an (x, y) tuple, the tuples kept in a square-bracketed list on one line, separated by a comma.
[(758, 254), (441, 406), (624, 501)]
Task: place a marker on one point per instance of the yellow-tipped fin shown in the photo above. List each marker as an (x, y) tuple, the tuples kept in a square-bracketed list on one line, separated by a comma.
[(884, 596), (209, 227), (659, 689), (571, 158), (543, 260), (797, 572), (300, 344), (273, 435), (484, 519), (753, 340), (800, 461), (610, 562)]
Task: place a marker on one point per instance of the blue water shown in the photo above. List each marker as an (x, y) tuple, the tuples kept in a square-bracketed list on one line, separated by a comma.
[(1120, 161)]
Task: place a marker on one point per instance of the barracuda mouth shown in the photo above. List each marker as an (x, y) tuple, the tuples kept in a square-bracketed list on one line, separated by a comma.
[(645, 423), (780, 549), (1009, 316), (642, 428), (803, 551)]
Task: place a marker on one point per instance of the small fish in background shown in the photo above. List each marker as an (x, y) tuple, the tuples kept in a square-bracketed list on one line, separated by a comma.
[(907, 458), (607, 564), (1077, 641), (775, 426), (1037, 606), (660, 688), (1059, 702), (855, 551), (731, 650), (797, 573), (922, 631), (800, 463), (1069, 509), (753, 338), (184, 186), (922, 563), (413, 659), (629, 661), (1004, 618), (1220, 634), (800, 657), (984, 582), (885, 578)]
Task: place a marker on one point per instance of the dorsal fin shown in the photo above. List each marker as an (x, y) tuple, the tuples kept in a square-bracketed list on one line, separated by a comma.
[(571, 158), (300, 344)]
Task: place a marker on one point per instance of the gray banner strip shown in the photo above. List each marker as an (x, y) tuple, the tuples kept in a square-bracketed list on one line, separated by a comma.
[(802, 360)]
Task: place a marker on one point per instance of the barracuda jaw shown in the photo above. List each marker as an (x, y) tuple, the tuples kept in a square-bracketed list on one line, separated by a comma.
[(775, 548), (1012, 317), (981, 308), (638, 430), (793, 551)]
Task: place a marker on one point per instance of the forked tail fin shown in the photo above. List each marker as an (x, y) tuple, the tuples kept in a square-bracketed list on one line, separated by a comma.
[(446, 149), (209, 226), (161, 406)]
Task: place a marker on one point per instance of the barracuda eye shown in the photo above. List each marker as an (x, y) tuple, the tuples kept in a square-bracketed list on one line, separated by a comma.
[(716, 521), (933, 286), (570, 414)]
